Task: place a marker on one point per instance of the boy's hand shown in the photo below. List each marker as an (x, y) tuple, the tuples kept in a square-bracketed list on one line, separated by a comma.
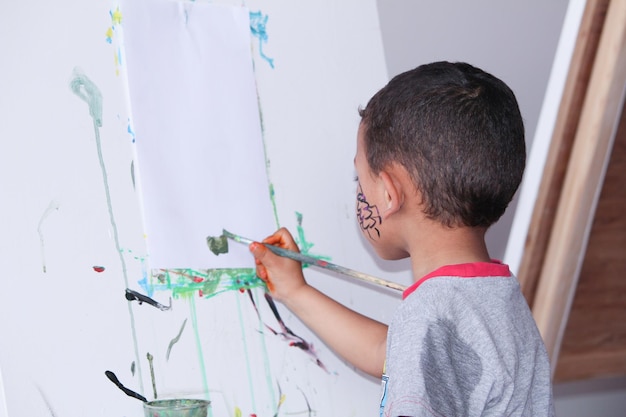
[(283, 276)]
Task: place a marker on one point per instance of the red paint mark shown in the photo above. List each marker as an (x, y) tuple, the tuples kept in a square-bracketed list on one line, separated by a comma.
[(200, 293), (197, 279), (322, 263), (98, 268)]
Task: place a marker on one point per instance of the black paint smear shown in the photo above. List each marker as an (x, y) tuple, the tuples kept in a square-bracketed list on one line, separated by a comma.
[(308, 405), (280, 395), (126, 391), (132, 172), (286, 333), (134, 295), (45, 400), (175, 340)]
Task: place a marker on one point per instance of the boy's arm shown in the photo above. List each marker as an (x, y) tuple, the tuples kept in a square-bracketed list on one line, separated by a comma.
[(357, 338)]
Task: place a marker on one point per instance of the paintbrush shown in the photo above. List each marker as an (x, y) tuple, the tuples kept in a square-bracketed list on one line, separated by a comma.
[(318, 262)]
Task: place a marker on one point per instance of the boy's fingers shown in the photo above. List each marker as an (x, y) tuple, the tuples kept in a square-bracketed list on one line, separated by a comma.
[(259, 251), (283, 239), (261, 272)]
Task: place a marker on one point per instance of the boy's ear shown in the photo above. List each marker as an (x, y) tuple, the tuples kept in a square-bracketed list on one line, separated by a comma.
[(393, 195)]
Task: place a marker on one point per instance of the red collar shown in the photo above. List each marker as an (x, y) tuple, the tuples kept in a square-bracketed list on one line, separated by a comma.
[(470, 270)]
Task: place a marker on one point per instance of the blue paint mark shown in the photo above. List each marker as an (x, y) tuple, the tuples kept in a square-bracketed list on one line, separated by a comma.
[(130, 131), (258, 22), (143, 283)]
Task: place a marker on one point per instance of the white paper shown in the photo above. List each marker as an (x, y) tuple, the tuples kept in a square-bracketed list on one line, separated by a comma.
[(198, 134)]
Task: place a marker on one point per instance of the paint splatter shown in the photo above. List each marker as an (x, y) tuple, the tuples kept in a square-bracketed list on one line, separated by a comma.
[(258, 23), (98, 268), (113, 378), (110, 35), (217, 244), (116, 16), (175, 340), (134, 295), (51, 207)]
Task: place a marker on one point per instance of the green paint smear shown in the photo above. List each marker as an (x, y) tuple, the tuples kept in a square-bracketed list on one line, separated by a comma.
[(245, 347), (206, 283), (304, 245), (194, 322), (217, 244)]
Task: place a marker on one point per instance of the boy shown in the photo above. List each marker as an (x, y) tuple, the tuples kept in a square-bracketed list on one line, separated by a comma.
[(440, 154)]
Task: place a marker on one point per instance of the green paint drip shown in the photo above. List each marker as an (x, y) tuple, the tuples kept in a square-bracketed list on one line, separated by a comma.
[(245, 348), (194, 322), (87, 91), (267, 161), (273, 200)]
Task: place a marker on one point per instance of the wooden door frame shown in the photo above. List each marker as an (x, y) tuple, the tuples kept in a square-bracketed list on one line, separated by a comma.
[(574, 171)]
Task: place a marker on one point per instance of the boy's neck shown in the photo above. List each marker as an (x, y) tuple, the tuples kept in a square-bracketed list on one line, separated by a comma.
[(447, 246)]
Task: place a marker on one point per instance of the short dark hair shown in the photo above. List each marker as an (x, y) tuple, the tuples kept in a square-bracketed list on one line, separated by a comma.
[(458, 132)]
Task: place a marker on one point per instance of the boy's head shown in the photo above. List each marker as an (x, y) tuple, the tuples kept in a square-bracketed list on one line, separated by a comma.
[(459, 134)]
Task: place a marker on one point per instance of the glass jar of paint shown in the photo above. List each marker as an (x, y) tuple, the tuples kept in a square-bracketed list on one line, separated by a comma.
[(181, 407)]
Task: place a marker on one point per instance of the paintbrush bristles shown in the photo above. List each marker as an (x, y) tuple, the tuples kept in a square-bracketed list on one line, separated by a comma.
[(236, 238)]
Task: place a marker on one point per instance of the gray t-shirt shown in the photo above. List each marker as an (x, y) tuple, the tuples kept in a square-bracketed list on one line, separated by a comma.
[(464, 343)]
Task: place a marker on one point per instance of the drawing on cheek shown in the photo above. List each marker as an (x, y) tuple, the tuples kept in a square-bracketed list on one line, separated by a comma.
[(368, 217)]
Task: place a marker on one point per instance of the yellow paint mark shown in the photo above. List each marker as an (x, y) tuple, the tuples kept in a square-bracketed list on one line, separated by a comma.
[(109, 34), (282, 400), (237, 412), (116, 16)]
